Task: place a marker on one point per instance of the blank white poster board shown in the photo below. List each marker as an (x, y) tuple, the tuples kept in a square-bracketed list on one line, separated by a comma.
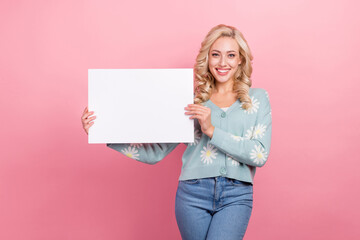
[(140, 105)]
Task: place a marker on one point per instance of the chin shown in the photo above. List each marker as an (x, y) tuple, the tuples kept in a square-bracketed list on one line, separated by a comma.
[(223, 79)]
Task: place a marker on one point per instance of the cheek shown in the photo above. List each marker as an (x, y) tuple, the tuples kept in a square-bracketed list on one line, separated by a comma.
[(234, 63), (212, 70), (212, 62)]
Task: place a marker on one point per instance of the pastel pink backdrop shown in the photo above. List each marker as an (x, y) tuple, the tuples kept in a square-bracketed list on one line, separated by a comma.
[(54, 185)]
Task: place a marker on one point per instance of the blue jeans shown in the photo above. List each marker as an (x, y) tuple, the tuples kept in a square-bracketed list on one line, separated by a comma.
[(213, 208)]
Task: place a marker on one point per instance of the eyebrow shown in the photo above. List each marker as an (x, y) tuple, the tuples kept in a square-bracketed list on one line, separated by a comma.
[(219, 51)]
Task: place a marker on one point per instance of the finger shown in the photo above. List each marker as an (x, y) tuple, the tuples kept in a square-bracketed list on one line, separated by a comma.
[(196, 106), (85, 110), (191, 112), (197, 114), (88, 125), (86, 115), (87, 129), (86, 121), (198, 111)]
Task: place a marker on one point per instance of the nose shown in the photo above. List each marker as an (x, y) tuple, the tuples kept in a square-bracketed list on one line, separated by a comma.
[(222, 61)]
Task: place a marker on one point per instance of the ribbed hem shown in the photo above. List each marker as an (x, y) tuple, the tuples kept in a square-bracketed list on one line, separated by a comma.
[(241, 174)]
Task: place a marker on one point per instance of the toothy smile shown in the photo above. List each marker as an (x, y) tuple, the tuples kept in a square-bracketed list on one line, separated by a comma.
[(222, 70)]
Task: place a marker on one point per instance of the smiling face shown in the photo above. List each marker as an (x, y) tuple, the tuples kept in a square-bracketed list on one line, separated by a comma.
[(224, 59)]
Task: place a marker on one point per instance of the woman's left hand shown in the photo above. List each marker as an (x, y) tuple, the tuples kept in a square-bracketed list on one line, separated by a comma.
[(203, 114)]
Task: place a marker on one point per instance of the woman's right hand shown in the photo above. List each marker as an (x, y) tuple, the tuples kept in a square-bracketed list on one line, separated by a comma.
[(85, 119)]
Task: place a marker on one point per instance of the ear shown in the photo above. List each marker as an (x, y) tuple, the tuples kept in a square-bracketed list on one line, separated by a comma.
[(239, 61)]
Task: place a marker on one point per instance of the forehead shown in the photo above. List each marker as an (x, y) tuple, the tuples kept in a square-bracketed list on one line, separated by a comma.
[(225, 44)]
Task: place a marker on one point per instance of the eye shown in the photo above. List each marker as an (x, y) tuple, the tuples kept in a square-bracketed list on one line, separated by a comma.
[(214, 54), (231, 55)]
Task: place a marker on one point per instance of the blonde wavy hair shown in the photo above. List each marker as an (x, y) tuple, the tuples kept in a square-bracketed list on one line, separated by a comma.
[(205, 81)]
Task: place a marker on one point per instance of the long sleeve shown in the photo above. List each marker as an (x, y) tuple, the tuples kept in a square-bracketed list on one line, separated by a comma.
[(253, 148), (149, 153)]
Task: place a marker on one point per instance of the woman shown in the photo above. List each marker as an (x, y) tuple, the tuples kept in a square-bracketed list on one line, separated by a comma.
[(233, 122)]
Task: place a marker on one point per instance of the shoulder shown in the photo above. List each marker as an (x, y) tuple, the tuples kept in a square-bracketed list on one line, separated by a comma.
[(258, 93), (260, 96)]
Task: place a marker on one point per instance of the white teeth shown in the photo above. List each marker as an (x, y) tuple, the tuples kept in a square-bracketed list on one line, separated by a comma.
[(222, 71)]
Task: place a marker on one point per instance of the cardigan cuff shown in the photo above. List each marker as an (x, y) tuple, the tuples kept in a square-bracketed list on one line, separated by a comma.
[(219, 137)]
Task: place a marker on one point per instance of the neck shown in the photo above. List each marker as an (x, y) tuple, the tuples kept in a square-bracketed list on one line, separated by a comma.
[(225, 87)]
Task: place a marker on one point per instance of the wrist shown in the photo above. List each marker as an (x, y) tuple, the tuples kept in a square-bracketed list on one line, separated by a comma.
[(210, 132)]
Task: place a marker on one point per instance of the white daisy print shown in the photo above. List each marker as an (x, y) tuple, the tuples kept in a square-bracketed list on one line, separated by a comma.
[(131, 152), (259, 131), (267, 94), (233, 162), (236, 138), (256, 132), (254, 107), (197, 136), (258, 155), (208, 154), (249, 133), (137, 145)]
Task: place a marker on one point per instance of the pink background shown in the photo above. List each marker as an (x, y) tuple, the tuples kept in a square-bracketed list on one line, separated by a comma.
[(54, 185)]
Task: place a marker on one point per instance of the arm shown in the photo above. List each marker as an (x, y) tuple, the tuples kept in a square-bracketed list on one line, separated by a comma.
[(254, 148), (149, 153)]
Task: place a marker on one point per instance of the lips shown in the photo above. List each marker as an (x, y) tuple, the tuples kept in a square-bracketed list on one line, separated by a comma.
[(222, 71)]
